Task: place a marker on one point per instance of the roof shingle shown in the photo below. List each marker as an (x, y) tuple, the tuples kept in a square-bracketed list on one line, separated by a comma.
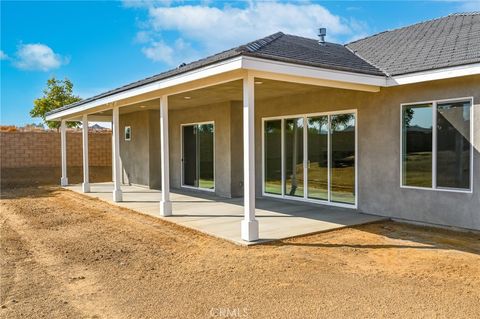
[(444, 42)]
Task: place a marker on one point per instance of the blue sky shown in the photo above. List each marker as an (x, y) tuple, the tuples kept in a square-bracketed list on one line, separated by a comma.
[(103, 45)]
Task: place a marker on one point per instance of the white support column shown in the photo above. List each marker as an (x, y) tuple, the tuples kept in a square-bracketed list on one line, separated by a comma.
[(165, 203), (249, 223), (117, 191), (113, 159), (63, 143), (86, 184)]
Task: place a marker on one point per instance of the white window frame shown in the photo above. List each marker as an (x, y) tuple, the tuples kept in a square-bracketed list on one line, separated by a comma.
[(182, 185), (434, 104), (305, 197), (125, 133)]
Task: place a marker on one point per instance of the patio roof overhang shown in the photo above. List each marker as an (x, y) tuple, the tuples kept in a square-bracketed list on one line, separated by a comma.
[(237, 68), (218, 73)]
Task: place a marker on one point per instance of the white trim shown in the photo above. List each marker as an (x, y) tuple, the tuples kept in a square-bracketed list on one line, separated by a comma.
[(305, 197), (125, 133), (305, 71), (434, 104), (260, 67), (431, 75), (182, 185), (201, 73)]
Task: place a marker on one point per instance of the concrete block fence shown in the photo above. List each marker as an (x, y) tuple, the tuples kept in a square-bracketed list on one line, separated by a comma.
[(42, 149)]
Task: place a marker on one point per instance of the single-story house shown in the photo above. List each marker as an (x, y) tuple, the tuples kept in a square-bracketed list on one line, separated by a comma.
[(387, 125)]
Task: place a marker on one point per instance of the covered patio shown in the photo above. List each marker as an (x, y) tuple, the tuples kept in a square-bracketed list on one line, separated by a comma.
[(220, 217)]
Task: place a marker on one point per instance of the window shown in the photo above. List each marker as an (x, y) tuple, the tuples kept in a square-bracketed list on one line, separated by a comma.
[(311, 157), (198, 156), (436, 145), (128, 133)]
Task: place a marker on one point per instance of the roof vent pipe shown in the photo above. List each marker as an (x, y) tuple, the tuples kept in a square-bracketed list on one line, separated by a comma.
[(322, 32)]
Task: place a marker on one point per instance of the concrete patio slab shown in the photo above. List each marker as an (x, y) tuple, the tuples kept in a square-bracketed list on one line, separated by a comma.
[(220, 217)]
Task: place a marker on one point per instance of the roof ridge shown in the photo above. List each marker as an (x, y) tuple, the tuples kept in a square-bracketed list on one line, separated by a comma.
[(260, 43), (307, 38), (415, 24)]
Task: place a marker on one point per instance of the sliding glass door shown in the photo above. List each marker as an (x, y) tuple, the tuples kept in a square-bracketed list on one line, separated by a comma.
[(273, 157), (317, 165), (198, 156), (342, 158), (311, 157), (293, 137)]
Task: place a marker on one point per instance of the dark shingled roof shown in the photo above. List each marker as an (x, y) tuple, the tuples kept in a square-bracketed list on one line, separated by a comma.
[(444, 42), (449, 41), (278, 46)]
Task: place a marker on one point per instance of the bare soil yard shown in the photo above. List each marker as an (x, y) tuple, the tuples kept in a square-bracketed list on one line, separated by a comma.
[(66, 255)]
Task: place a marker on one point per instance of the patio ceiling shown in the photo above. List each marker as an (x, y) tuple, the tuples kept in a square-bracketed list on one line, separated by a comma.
[(230, 91)]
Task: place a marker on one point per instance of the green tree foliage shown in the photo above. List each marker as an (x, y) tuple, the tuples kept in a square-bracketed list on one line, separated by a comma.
[(58, 93)]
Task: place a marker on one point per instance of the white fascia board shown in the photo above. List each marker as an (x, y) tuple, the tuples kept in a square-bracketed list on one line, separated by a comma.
[(264, 65), (440, 74), (207, 71)]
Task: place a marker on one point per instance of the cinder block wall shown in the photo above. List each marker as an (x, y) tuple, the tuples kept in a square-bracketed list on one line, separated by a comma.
[(42, 149)]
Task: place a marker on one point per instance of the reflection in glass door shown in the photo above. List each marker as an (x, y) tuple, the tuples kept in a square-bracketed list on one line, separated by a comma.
[(342, 173), (198, 156), (317, 164), (273, 157), (293, 157), (311, 158)]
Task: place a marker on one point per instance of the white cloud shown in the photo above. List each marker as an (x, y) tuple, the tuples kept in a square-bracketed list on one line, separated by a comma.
[(38, 56), (3, 56), (159, 51), (180, 51), (212, 29), (470, 6)]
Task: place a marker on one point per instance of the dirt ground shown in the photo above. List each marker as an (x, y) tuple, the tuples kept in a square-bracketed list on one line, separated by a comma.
[(66, 255)]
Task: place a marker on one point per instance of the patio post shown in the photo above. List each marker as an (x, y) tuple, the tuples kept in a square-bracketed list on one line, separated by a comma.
[(249, 223), (165, 203), (63, 147), (117, 191), (86, 184)]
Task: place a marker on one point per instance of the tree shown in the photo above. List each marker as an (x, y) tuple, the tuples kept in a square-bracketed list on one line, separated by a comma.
[(57, 94)]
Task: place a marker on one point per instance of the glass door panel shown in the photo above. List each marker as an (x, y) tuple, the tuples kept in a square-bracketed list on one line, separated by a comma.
[(317, 163), (189, 156), (273, 157), (342, 158), (293, 132), (205, 146), (198, 156)]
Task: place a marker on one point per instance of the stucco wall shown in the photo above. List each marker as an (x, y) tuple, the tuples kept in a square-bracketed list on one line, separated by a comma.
[(135, 154), (236, 142), (378, 122), (218, 113), (155, 178)]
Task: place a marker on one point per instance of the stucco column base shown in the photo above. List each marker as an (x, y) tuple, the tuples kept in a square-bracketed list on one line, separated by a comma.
[(117, 195), (86, 187), (64, 181), (250, 230), (165, 208)]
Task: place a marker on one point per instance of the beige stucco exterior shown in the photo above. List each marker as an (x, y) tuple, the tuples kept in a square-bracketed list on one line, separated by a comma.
[(378, 124)]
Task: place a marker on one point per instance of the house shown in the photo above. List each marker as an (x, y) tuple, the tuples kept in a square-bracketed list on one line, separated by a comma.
[(387, 125)]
